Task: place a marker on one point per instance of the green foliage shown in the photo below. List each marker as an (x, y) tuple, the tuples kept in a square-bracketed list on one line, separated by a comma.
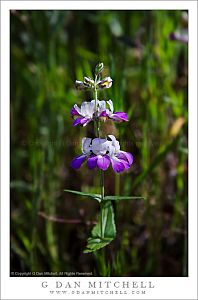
[(104, 231)]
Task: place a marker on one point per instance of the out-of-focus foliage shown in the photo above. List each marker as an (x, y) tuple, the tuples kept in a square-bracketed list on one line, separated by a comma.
[(49, 51)]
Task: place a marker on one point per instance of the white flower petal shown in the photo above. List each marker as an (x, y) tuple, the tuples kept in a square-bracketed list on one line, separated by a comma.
[(86, 145), (110, 105), (112, 137), (117, 147), (111, 150), (114, 143), (91, 108), (84, 109), (99, 146), (101, 106), (97, 141)]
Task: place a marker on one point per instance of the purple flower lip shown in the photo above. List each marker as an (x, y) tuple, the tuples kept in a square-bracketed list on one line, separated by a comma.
[(118, 116), (78, 161), (103, 161), (74, 112), (82, 121), (101, 153)]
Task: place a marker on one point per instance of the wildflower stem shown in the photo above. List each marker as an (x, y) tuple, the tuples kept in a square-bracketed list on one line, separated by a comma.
[(102, 202), (96, 123), (97, 132), (102, 184)]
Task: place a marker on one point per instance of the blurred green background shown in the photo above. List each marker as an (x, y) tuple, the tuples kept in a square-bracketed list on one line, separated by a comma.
[(49, 228)]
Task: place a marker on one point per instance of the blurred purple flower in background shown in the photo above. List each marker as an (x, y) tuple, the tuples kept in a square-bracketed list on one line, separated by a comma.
[(180, 36)]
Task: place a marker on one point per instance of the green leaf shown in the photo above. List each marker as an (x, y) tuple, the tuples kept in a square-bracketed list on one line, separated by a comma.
[(119, 198), (93, 196), (104, 231), (96, 244)]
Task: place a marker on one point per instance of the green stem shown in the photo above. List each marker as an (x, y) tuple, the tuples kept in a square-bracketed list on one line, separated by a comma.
[(96, 97), (97, 133), (102, 184), (117, 184), (96, 123), (102, 202)]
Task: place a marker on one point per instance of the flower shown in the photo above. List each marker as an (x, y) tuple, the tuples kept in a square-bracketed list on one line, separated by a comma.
[(105, 83), (86, 151), (108, 113), (96, 109), (84, 114), (101, 153), (86, 84)]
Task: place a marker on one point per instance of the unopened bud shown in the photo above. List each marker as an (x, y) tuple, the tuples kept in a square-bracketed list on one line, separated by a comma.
[(80, 85), (99, 68)]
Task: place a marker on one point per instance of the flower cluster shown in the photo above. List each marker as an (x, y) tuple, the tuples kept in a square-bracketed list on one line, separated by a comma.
[(101, 153), (96, 109), (89, 83)]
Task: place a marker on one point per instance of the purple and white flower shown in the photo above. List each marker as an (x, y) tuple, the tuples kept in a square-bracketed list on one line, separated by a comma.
[(86, 152), (106, 111), (96, 109), (88, 83), (83, 114), (179, 36), (105, 83), (101, 153)]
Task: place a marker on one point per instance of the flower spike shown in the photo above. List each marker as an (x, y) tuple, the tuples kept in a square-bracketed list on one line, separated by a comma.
[(100, 152)]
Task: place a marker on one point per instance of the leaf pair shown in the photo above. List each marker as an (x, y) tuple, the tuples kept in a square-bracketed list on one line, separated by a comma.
[(105, 230), (106, 198)]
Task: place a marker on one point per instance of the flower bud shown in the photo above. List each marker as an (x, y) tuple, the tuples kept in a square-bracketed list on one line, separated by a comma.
[(88, 82), (99, 68), (80, 85)]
